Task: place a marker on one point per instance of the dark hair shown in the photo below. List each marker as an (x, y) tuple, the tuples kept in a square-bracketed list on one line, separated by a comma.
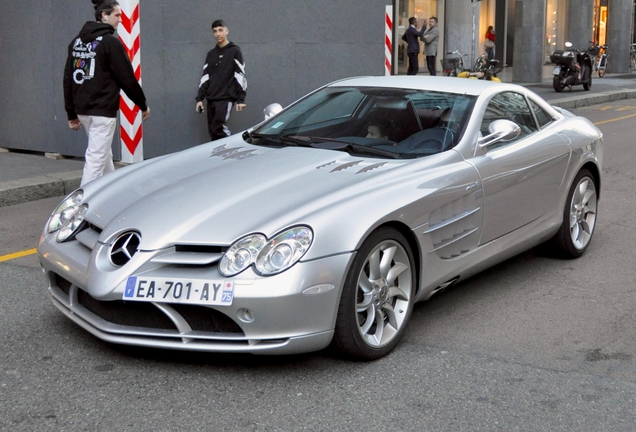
[(104, 6), (434, 18), (218, 23), (412, 20)]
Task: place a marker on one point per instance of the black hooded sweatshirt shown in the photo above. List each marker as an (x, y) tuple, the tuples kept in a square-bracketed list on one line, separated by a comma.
[(96, 69), (223, 75)]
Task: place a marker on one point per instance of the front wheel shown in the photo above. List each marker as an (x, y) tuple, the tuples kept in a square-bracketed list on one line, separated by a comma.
[(377, 297), (587, 76), (579, 217), (601, 73), (556, 84)]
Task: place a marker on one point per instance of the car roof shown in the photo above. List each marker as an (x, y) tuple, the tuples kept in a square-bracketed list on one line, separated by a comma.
[(472, 87)]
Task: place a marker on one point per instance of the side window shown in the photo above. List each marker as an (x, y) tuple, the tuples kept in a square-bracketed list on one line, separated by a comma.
[(509, 106), (542, 117)]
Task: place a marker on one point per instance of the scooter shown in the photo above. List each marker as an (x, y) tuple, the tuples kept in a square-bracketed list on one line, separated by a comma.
[(573, 67), (601, 62)]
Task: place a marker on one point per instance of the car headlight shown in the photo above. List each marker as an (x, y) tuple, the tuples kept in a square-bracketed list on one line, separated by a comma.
[(67, 217), (64, 211), (268, 256), (72, 224)]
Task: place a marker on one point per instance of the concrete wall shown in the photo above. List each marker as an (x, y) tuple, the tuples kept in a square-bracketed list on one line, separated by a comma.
[(529, 34), (459, 32), (580, 23), (290, 47), (619, 38)]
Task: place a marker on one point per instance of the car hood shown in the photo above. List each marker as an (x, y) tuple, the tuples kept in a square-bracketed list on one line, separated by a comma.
[(215, 193)]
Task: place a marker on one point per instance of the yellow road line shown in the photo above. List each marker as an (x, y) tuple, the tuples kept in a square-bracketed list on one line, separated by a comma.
[(615, 119), (17, 255)]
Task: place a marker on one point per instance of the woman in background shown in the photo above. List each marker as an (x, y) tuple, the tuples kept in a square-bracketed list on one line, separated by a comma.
[(489, 42)]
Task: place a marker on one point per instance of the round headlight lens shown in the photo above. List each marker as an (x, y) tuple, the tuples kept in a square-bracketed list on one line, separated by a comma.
[(284, 250), (64, 211), (72, 224), (269, 257), (241, 254)]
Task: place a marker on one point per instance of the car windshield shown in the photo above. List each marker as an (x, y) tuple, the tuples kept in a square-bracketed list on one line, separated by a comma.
[(370, 121)]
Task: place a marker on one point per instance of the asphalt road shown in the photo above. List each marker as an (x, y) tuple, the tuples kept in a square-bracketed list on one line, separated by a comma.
[(533, 344)]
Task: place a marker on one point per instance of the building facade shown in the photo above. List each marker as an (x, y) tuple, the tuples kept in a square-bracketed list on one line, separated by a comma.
[(525, 30)]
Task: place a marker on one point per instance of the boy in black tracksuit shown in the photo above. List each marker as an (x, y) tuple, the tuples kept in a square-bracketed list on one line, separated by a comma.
[(223, 82)]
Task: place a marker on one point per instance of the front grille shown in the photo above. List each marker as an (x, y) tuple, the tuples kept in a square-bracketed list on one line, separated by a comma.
[(146, 315), (63, 284), (206, 320), (127, 313)]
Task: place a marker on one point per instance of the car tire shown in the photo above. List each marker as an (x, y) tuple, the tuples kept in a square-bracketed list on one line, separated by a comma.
[(377, 297), (556, 84), (579, 217)]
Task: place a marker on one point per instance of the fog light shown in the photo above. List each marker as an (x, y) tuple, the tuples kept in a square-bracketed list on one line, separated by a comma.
[(245, 315)]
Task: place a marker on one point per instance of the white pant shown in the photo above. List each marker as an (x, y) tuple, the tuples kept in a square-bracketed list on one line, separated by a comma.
[(99, 155)]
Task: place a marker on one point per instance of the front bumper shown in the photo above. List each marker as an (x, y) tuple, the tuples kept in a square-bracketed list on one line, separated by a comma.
[(284, 317)]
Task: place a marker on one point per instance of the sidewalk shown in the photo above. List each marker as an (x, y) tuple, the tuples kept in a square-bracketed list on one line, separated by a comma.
[(26, 176)]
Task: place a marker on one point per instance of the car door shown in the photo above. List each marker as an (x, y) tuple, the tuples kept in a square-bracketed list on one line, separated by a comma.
[(521, 178)]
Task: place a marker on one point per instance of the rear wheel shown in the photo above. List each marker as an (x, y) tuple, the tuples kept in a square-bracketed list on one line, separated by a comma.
[(556, 84), (377, 297), (579, 217)]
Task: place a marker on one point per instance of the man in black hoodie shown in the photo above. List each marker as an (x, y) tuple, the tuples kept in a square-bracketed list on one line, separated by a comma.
[(96, 69), (223, 83)]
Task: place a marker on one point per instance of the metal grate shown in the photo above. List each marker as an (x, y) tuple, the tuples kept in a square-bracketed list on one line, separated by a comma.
[(207, 320), (135, 314), (146, 315)]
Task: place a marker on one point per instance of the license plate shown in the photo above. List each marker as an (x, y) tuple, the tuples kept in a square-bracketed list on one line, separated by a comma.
[(556, 70), (192, 291)]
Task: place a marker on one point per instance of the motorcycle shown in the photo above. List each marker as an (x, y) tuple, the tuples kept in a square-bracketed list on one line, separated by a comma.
[(573, 67)]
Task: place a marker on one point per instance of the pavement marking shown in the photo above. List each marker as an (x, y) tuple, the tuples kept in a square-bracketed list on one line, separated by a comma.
[(615, 119), (17, 255)]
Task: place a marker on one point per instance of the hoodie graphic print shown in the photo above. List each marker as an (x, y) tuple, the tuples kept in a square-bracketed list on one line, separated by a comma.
[(84, 59)]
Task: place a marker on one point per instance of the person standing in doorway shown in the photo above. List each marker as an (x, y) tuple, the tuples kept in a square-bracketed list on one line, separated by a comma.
[(97, 68), (412, 38), (430, 38), (489, 42), (223, 83)]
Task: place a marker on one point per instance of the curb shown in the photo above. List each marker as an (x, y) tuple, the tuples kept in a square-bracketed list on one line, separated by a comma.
[(36, 188), (593, 99)]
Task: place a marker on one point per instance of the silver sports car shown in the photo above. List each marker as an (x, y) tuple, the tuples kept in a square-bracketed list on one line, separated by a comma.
[(324, 224)]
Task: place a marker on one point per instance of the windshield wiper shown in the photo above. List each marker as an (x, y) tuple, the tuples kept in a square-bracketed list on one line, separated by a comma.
[(284, 139), (349, 147), (333, 144)]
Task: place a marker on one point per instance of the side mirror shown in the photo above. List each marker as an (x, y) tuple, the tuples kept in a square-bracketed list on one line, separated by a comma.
[(271, 110), (500, 130)]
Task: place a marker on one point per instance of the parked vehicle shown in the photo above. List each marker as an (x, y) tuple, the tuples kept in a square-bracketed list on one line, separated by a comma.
[(573, 67), (454, 65), (599, 52), (483, 69), (632, 56), (305, 231)]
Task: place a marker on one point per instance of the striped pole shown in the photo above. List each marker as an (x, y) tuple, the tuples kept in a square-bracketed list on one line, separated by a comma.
[(388, 40), (130, 128)]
